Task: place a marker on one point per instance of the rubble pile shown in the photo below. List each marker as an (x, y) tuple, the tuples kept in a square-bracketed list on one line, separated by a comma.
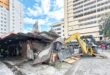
[(15, 45), (22, 53)]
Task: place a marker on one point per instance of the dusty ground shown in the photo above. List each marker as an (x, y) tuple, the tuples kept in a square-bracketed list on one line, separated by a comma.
[(91, 66), (84, 66), (4, 70)]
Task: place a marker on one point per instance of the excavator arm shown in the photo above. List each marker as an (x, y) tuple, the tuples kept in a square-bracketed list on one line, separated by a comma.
[(82, 44)]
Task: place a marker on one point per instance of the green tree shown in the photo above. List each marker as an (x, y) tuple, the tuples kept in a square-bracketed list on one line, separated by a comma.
[(105, 27)]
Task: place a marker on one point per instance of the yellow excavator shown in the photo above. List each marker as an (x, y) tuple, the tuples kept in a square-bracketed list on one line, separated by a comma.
[(67, 50), (85, 47)]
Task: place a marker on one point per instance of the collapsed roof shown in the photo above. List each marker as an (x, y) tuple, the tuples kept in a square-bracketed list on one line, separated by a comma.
[(15, 38)]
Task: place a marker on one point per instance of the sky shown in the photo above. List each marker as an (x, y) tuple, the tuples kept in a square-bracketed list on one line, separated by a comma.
[(46, 12)]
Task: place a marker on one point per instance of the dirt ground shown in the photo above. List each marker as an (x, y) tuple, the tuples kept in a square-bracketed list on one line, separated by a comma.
[(84, 66)]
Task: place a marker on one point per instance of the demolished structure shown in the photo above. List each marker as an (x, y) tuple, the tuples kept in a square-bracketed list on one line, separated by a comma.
[(15, 45)]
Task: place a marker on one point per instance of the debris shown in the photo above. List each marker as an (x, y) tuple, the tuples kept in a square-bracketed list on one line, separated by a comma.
[(53, 58), (63, 54), (30, 54), (43, 56), (71, 60), (15, 45)]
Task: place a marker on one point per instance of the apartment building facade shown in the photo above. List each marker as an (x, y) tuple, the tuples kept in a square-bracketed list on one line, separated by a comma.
[(58, 28), (15, 16), (4, 16), (11, 16), (84, 16)]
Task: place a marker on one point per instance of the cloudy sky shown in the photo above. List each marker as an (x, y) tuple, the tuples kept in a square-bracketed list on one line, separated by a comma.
[(45, 11)]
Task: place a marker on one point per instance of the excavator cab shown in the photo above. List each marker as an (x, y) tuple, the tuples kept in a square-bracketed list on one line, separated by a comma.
[(86, 45), (91, 42)]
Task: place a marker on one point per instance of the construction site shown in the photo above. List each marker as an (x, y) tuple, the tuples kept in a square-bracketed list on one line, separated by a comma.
[(54, 37), (46, 53)]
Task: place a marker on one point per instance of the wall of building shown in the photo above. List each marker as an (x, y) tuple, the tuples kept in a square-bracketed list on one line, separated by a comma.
[(65, 19), (11, 16), (16, 16), (58, 28), (87, 13), (4, 3), (4, 16)]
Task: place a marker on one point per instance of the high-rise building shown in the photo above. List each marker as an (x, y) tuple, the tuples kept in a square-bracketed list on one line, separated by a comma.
[(16, 16), (84, 16), (11, 16), (58, 28), (4, 16)]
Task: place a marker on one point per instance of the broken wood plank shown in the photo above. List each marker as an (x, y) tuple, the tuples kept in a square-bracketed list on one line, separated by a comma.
[(75, 58), (71, 60)]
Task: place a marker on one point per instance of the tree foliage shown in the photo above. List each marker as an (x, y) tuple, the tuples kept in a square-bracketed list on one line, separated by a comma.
[(105, 27)]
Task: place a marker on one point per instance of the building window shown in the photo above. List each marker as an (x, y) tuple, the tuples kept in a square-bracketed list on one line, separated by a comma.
[(4, 29), (88, 18), (103, 3), (89, 23), (59, 32), (1, 17), (4, 25), (90, 7), (1, 6), (90, 3), (87, 13), (78, 3), (77, 7), (5, 22), (75, 1), (99, 0), (80, 15), (78, 11), (58, 29), (4, 18)]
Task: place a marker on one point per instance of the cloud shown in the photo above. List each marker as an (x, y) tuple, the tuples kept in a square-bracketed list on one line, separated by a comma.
[(34, 11), (29, 20), (32, 21), (45, 11), (39, 8), (45, 6), (26, 30), (58, 15), (42, 21), (60, 3)]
